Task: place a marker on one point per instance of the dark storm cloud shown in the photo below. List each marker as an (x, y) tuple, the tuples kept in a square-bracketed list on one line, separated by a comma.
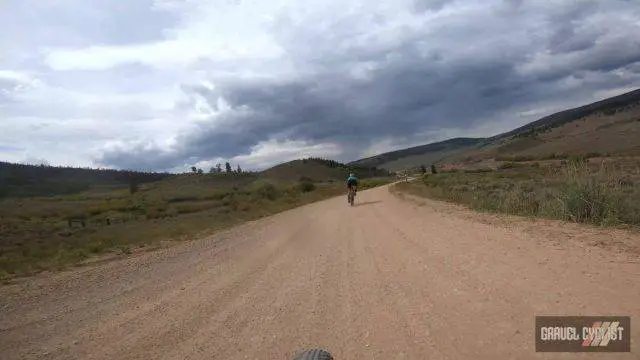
[(467, 70), (565, 39), (634, 68), (144, 157)]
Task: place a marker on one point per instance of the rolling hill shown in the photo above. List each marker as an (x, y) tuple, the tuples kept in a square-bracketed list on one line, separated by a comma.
[(423, 154), (608, 127), (20, 180), (604, 107), (317, 169), (23, 180)]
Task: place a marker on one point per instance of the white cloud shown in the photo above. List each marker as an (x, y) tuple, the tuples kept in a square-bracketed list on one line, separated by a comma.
[(261, 156), (17, 82), (16, 76), (269, 152), (162, 55)]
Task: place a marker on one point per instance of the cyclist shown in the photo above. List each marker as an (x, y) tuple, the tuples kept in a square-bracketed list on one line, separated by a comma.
[(352, 182)]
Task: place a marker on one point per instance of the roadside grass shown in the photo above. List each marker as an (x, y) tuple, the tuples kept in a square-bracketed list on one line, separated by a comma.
[(35, 233), (600, 194), (365, 184)]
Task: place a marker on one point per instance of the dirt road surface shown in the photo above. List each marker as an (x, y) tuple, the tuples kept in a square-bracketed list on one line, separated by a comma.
[(386, 279)]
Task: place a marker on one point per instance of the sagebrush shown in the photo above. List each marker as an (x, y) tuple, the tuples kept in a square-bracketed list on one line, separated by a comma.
[(575, 191)]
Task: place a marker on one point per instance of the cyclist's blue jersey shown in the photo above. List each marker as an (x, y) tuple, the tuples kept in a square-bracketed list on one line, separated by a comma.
[(352, 180)]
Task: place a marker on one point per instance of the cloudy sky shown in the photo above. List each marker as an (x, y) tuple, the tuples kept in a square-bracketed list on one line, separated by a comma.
[(166, 84)]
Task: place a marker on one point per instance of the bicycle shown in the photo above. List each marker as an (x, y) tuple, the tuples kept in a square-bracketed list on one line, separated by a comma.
[(352, 195), (314, 354)]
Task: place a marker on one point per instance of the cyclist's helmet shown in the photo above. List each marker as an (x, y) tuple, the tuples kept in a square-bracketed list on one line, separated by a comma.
[(352, 175)]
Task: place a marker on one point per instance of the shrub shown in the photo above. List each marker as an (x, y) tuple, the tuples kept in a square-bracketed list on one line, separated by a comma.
[(577, 193), (479, 170), (187, 208), (306, 186), (268, 191), (523, 158), (559, 155), (218, 195), (576, 160), (506, 165), (513, 165), (93, 211), (125, 249), (592, 198), (156, 212), (178, 199)]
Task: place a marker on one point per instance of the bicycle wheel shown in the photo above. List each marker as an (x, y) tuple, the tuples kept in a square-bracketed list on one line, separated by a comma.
[(314, 354)]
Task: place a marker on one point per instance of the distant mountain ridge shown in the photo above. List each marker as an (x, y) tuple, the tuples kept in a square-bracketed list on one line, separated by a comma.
[(616, 132), (455, 143), (565, 116)]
